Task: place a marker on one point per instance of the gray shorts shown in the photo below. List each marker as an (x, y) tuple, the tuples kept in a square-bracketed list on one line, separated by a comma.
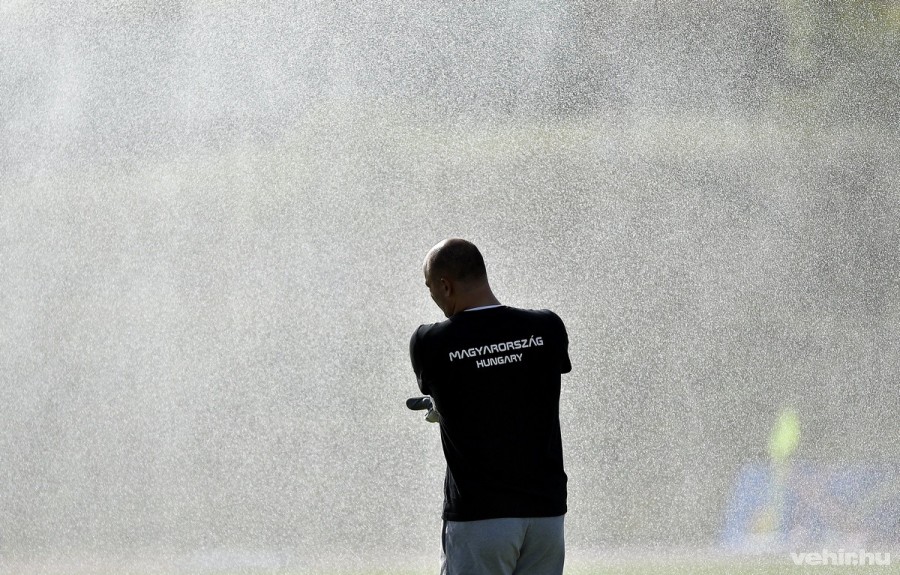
[(509, 546)]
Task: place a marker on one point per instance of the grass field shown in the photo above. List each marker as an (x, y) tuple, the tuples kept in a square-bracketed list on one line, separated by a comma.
[(676, 569), (686, 569), (768, 566), (726, 569)]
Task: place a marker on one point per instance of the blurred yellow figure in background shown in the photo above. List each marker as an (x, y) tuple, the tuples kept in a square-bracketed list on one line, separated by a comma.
[(783, 443)]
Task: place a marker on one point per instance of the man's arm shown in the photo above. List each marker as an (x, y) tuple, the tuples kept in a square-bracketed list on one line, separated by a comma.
[(418, 403), (415, 352)]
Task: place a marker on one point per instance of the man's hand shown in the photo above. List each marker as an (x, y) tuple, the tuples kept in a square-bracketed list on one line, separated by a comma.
[(420, 403)]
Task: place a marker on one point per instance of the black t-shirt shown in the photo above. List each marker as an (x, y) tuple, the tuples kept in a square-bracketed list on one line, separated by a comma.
[(494, 375)]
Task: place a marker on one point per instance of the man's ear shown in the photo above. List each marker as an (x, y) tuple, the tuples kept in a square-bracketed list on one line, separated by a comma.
[(446, 286)]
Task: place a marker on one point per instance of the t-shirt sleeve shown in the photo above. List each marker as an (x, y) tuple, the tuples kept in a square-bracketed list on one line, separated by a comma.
[(565, 364), (415, 351)]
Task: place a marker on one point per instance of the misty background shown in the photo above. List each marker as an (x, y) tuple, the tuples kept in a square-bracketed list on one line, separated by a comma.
[(213, 217)]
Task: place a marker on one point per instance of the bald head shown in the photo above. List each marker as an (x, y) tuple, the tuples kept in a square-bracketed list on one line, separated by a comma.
[(456, 259), (456, 276)]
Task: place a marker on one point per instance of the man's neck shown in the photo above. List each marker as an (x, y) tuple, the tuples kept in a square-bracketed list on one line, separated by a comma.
[(479, 299)]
